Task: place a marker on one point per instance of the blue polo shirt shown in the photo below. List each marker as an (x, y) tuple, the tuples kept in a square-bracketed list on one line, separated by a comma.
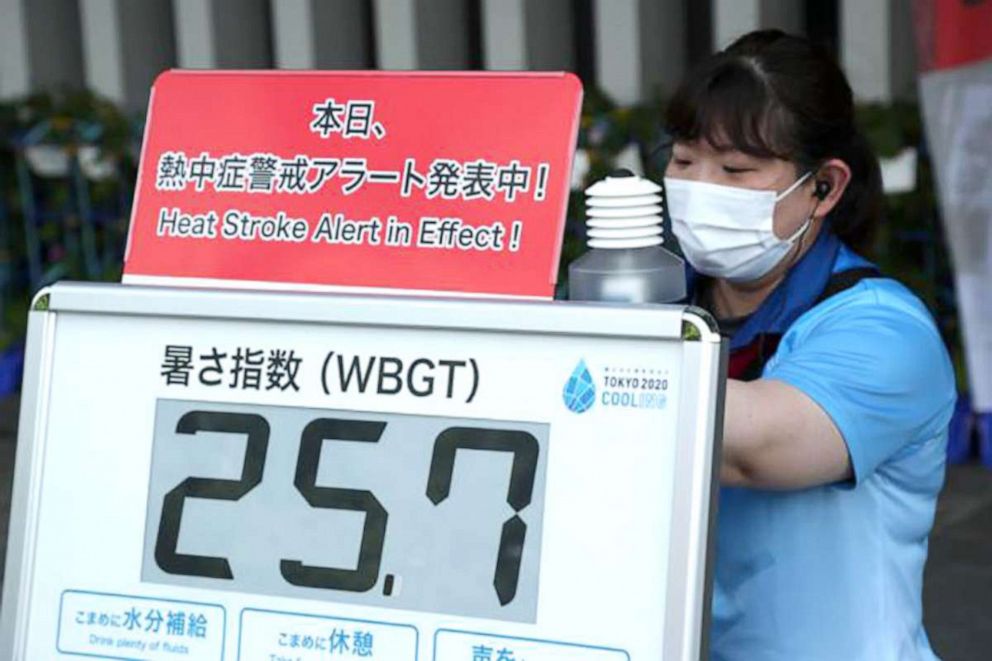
[(835, 572)]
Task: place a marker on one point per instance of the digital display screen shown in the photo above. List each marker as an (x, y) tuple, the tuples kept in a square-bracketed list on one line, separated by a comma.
[(415, 512)]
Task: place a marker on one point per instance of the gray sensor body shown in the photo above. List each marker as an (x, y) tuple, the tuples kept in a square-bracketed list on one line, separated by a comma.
[(626, 263)]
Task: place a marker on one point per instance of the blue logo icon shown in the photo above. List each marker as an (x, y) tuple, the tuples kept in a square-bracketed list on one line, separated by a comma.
[(580, 391)]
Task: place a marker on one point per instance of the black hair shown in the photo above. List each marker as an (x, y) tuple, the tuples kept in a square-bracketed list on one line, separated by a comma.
[(774, 95)]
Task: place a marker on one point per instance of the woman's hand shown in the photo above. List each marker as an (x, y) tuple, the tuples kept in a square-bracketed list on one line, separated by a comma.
[(776, 437)]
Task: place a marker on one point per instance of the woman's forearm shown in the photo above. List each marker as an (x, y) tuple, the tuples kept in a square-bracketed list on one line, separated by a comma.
[(775, 437)]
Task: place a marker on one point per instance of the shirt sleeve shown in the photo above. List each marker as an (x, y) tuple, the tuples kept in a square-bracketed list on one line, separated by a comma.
[(880, 372)]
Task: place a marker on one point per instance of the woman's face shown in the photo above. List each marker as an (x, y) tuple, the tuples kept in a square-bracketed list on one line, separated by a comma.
[(700, 161)]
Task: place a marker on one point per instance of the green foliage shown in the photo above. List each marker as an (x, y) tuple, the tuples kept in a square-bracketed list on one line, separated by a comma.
[(67, 120), (890, 127), (69, 114)]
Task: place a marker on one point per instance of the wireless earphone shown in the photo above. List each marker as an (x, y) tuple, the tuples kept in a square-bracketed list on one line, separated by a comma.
[(822, 189)]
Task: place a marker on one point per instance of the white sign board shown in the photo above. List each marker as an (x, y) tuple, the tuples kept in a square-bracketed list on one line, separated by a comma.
[(272, 477)]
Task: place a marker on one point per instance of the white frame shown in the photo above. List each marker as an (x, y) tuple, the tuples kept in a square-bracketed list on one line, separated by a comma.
[(697, 442)]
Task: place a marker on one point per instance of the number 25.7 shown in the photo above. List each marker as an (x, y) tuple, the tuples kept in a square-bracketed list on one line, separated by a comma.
[(522, 445)]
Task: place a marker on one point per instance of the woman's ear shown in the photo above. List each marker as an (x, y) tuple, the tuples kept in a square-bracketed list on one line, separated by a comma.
[(829, 183)]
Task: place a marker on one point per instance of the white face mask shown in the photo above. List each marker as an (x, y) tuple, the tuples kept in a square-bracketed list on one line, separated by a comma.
[(725, 231)]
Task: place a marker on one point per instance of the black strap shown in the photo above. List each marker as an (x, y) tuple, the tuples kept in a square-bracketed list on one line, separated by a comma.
[(748, 362), (839, 282)]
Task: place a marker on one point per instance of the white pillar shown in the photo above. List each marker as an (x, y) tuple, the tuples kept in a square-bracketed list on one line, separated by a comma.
[(395, 34), (618, 52), (321, 34), (504, 34), (125, 45), (865, 48), (735, 18), (293, 34), (222, 34), (14, 72), (51, 39), (195, 43), (102, 52), (732, 18), (640, 47)]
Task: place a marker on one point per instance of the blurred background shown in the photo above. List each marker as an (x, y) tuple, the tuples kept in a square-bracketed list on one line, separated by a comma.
[(75, 77)]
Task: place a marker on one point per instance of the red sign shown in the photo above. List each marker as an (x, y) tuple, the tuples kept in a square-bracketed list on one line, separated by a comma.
[(453, 182), (953, 33)]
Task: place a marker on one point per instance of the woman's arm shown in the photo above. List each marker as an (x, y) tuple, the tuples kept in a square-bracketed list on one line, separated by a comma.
[(776, 437)]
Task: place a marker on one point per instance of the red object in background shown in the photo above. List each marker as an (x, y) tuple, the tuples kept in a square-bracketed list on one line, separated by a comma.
[(952, 33), (234, 144)]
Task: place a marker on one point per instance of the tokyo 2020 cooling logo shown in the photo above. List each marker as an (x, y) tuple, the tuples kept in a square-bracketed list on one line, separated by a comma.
[(580, 389), (621, 387)]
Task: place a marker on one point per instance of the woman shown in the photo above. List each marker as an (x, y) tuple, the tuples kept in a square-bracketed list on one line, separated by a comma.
[(840, 390)]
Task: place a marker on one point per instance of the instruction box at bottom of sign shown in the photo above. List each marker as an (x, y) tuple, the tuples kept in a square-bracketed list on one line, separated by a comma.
[(117, 626), (451, 645), (275, 635)]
